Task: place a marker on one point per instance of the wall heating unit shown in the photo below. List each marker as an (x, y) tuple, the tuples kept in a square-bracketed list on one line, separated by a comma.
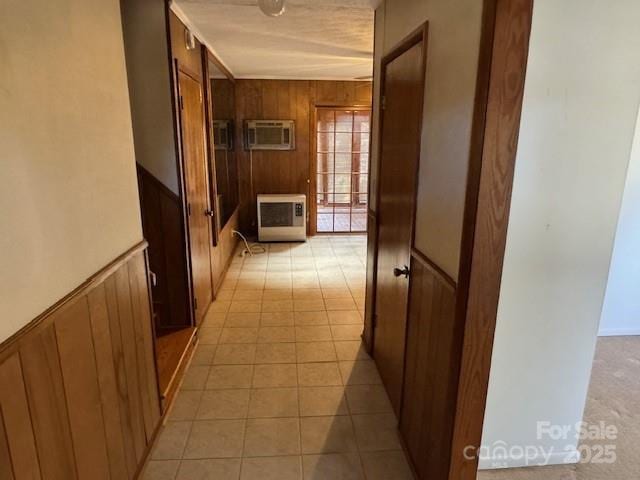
[(282, 218)]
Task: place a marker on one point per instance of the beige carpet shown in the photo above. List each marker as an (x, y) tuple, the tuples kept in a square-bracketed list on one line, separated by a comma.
[(614, 397)]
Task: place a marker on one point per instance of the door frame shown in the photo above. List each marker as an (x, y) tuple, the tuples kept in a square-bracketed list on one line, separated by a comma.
[(182, 182), (504, 51), (313, 162), (211, 154), (180, 69)]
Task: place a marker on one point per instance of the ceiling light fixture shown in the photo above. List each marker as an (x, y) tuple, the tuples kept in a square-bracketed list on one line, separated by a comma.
[(272, 8)]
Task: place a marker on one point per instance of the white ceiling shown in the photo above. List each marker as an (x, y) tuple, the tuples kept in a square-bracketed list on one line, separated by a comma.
[(313, 39)]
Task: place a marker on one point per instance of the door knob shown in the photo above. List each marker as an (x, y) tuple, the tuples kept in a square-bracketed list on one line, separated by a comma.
[(208, 213), (405, 271)]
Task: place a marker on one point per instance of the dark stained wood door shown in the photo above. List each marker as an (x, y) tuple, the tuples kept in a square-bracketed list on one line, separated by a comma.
[(196, 186), (402, 93)]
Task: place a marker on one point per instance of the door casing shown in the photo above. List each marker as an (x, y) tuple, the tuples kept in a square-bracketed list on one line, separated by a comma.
[(196, 207)]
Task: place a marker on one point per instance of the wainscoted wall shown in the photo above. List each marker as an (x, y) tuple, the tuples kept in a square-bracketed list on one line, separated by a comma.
[(79, 397), (428, 405), (164, 230), (287, 171)]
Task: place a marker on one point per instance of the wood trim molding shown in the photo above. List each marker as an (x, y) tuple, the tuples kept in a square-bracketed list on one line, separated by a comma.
[(433, 268), (214, 59), (485, 229), (11, 344), (210, 150), (152, 178)]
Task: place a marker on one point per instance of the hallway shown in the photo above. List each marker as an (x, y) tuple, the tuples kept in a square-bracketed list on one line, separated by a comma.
[(279, 386)]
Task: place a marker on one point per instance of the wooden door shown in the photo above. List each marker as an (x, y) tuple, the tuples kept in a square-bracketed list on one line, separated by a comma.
[(403, 73), (196, 187)]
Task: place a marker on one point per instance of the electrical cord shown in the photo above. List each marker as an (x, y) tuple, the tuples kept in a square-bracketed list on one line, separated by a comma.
[(251, 249)]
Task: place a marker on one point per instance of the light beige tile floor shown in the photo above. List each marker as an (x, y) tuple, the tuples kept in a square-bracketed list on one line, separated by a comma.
[(279, 386)]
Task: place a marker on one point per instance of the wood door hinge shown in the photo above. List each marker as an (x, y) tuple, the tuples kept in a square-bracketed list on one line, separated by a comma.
[(383, 102), (181, 102), (188, 209), (195, 303)]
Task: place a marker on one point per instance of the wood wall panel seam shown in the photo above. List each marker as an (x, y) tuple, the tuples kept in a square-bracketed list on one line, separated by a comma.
[(19, 425), (147, 409), (6, 462), (79, 376), (125, 312), (120, 372), (48, 406), (107, 383)]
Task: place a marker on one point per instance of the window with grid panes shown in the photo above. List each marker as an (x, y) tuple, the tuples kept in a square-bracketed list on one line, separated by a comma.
[(342, 159)]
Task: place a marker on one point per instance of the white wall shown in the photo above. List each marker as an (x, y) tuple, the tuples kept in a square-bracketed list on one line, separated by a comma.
[(581, 99), (621, 311), (148, 69), (69, 200)]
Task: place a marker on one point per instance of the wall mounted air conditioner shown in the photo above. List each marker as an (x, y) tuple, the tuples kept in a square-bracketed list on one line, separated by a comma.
[(222, 134), (269, 134), (282, 218)]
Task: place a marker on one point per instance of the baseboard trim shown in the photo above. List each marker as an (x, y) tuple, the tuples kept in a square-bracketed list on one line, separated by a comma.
[(540, 460), (619, 332)]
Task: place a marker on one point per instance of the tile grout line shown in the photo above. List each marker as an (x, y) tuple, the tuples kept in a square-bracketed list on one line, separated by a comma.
[(234, 288)]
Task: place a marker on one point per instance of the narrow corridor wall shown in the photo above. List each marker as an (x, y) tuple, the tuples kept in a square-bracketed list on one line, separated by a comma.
[(69, 198), (621, 310), (580, 105)]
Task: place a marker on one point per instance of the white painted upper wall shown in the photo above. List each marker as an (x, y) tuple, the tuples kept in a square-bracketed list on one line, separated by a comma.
[(149, 73), (581, 100), (452, 63), (621, 310), (69, 200)]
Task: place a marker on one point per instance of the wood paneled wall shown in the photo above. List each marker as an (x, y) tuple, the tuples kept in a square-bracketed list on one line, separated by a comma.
[(163, 228), (79, 397), (429, 395), (286, 171)]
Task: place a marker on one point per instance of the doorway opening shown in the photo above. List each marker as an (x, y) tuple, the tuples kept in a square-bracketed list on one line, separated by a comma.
[(342, 169)]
